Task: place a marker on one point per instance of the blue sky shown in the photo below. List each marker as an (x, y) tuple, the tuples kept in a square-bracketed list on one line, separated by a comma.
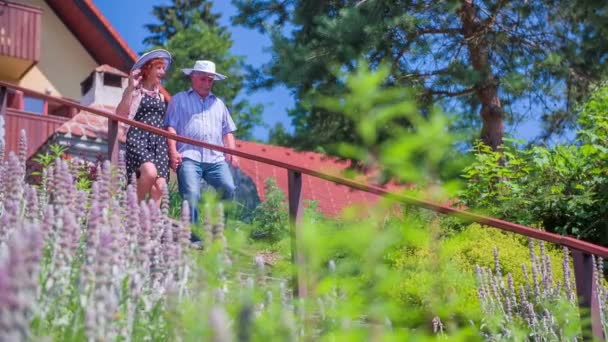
[(129, 17)]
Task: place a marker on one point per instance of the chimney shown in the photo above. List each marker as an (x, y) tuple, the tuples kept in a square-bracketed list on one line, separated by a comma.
[(104, 86)]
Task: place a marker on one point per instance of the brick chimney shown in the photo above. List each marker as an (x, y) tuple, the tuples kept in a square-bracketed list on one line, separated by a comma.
[(104, 86)]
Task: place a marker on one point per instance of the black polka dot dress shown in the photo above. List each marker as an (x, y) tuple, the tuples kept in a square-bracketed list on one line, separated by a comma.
[(144, 146)]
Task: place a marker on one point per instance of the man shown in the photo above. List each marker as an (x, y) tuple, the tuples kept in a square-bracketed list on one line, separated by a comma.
[(198, 114)]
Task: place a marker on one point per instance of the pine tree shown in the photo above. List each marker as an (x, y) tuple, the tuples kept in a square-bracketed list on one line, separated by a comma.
[(177, 16), (190, 32), (488, 61)]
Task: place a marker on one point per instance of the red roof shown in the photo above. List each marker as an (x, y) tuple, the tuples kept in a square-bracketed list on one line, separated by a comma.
[(110, 70), (331, 197)]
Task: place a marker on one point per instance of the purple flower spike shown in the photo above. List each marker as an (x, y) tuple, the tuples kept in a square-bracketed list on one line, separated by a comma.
[(497, 263), (32, 211), (22, 148), (19, 281), (15, 184)]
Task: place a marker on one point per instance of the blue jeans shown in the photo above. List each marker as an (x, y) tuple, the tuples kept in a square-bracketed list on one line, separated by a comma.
[(189, 175)]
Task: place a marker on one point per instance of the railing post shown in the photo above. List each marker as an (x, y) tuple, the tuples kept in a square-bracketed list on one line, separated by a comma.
[(294, 183), (3, 96), (113, 145), (586, 291), (16, 100), (72, 111), (45, 107)]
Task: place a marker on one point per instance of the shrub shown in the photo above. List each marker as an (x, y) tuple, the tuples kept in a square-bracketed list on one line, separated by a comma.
[(475, 247), (463, 252), (271, 218), (561, 189)]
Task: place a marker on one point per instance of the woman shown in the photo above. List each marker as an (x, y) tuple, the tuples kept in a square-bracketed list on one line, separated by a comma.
[(147, 154)]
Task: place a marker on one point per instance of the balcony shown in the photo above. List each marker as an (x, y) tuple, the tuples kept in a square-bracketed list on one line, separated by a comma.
[(37, 116), (20, 32)]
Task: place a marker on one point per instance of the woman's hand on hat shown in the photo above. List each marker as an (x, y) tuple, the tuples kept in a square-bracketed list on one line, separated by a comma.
[(135, 78)]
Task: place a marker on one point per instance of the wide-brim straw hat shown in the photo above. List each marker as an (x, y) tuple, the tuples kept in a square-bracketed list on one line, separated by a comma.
[(154, 54), (206, 67)]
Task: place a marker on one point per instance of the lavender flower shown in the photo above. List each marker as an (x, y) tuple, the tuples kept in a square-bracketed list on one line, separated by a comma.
[(219, 323), (22, 148), (19, 281), (32, 211)]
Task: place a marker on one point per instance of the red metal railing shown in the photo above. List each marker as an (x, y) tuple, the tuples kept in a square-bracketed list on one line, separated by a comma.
[(582, 251), (20, 28)]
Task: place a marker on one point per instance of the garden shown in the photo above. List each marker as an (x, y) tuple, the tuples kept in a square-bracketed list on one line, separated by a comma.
[(81, 259)]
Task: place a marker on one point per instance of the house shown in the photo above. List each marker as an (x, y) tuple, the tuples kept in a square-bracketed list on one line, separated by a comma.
[(66, 48), (52, 46)]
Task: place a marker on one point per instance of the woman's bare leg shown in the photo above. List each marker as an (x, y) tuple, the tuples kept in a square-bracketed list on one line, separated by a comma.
[(147, 177), (156, 193)]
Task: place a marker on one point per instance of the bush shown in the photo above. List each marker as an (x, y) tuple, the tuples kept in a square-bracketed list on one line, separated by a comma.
[(561, 189), (465, 251), (271, 218)]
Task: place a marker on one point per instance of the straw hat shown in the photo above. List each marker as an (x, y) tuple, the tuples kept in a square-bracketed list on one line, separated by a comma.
[(206, 67), (148, 56)]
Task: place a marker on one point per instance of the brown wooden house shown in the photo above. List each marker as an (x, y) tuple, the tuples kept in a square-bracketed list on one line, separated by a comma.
[(53, 47)]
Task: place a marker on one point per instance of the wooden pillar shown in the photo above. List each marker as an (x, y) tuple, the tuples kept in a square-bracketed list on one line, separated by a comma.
[(294, 182), (72, 111), (15, 100), (3, 98), (586, 290), (113, 144), (45, 107)]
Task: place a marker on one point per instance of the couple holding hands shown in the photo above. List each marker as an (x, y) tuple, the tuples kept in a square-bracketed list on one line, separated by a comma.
[(195, 113)]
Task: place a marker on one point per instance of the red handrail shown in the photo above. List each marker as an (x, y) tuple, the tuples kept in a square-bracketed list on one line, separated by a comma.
[(582, 250)]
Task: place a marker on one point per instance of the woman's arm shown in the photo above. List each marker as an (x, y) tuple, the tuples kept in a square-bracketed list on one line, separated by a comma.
[(124, 106)]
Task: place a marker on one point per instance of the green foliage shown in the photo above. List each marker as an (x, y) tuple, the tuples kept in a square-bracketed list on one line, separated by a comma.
[(385, 143), (561, 188), (461, 253), (83, 171), (271, 219), (47, 159), (191, 32), (474, 247), (177, 16)]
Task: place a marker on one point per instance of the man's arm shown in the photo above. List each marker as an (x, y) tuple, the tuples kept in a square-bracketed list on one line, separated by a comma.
[(174, 157), (172, 121), (230, 142)]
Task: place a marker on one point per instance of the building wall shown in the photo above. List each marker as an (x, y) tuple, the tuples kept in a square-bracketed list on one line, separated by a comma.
[(64, 62)]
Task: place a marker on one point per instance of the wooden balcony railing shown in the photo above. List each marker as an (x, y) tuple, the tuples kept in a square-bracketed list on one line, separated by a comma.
[(20, 28), (38, 127), (582, 251)]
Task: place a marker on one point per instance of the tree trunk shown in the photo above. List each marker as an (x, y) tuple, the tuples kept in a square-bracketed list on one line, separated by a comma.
[(474, 32)]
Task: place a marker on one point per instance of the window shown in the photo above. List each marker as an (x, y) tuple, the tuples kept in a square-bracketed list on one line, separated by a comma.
[(112, 80), (33, 105)]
